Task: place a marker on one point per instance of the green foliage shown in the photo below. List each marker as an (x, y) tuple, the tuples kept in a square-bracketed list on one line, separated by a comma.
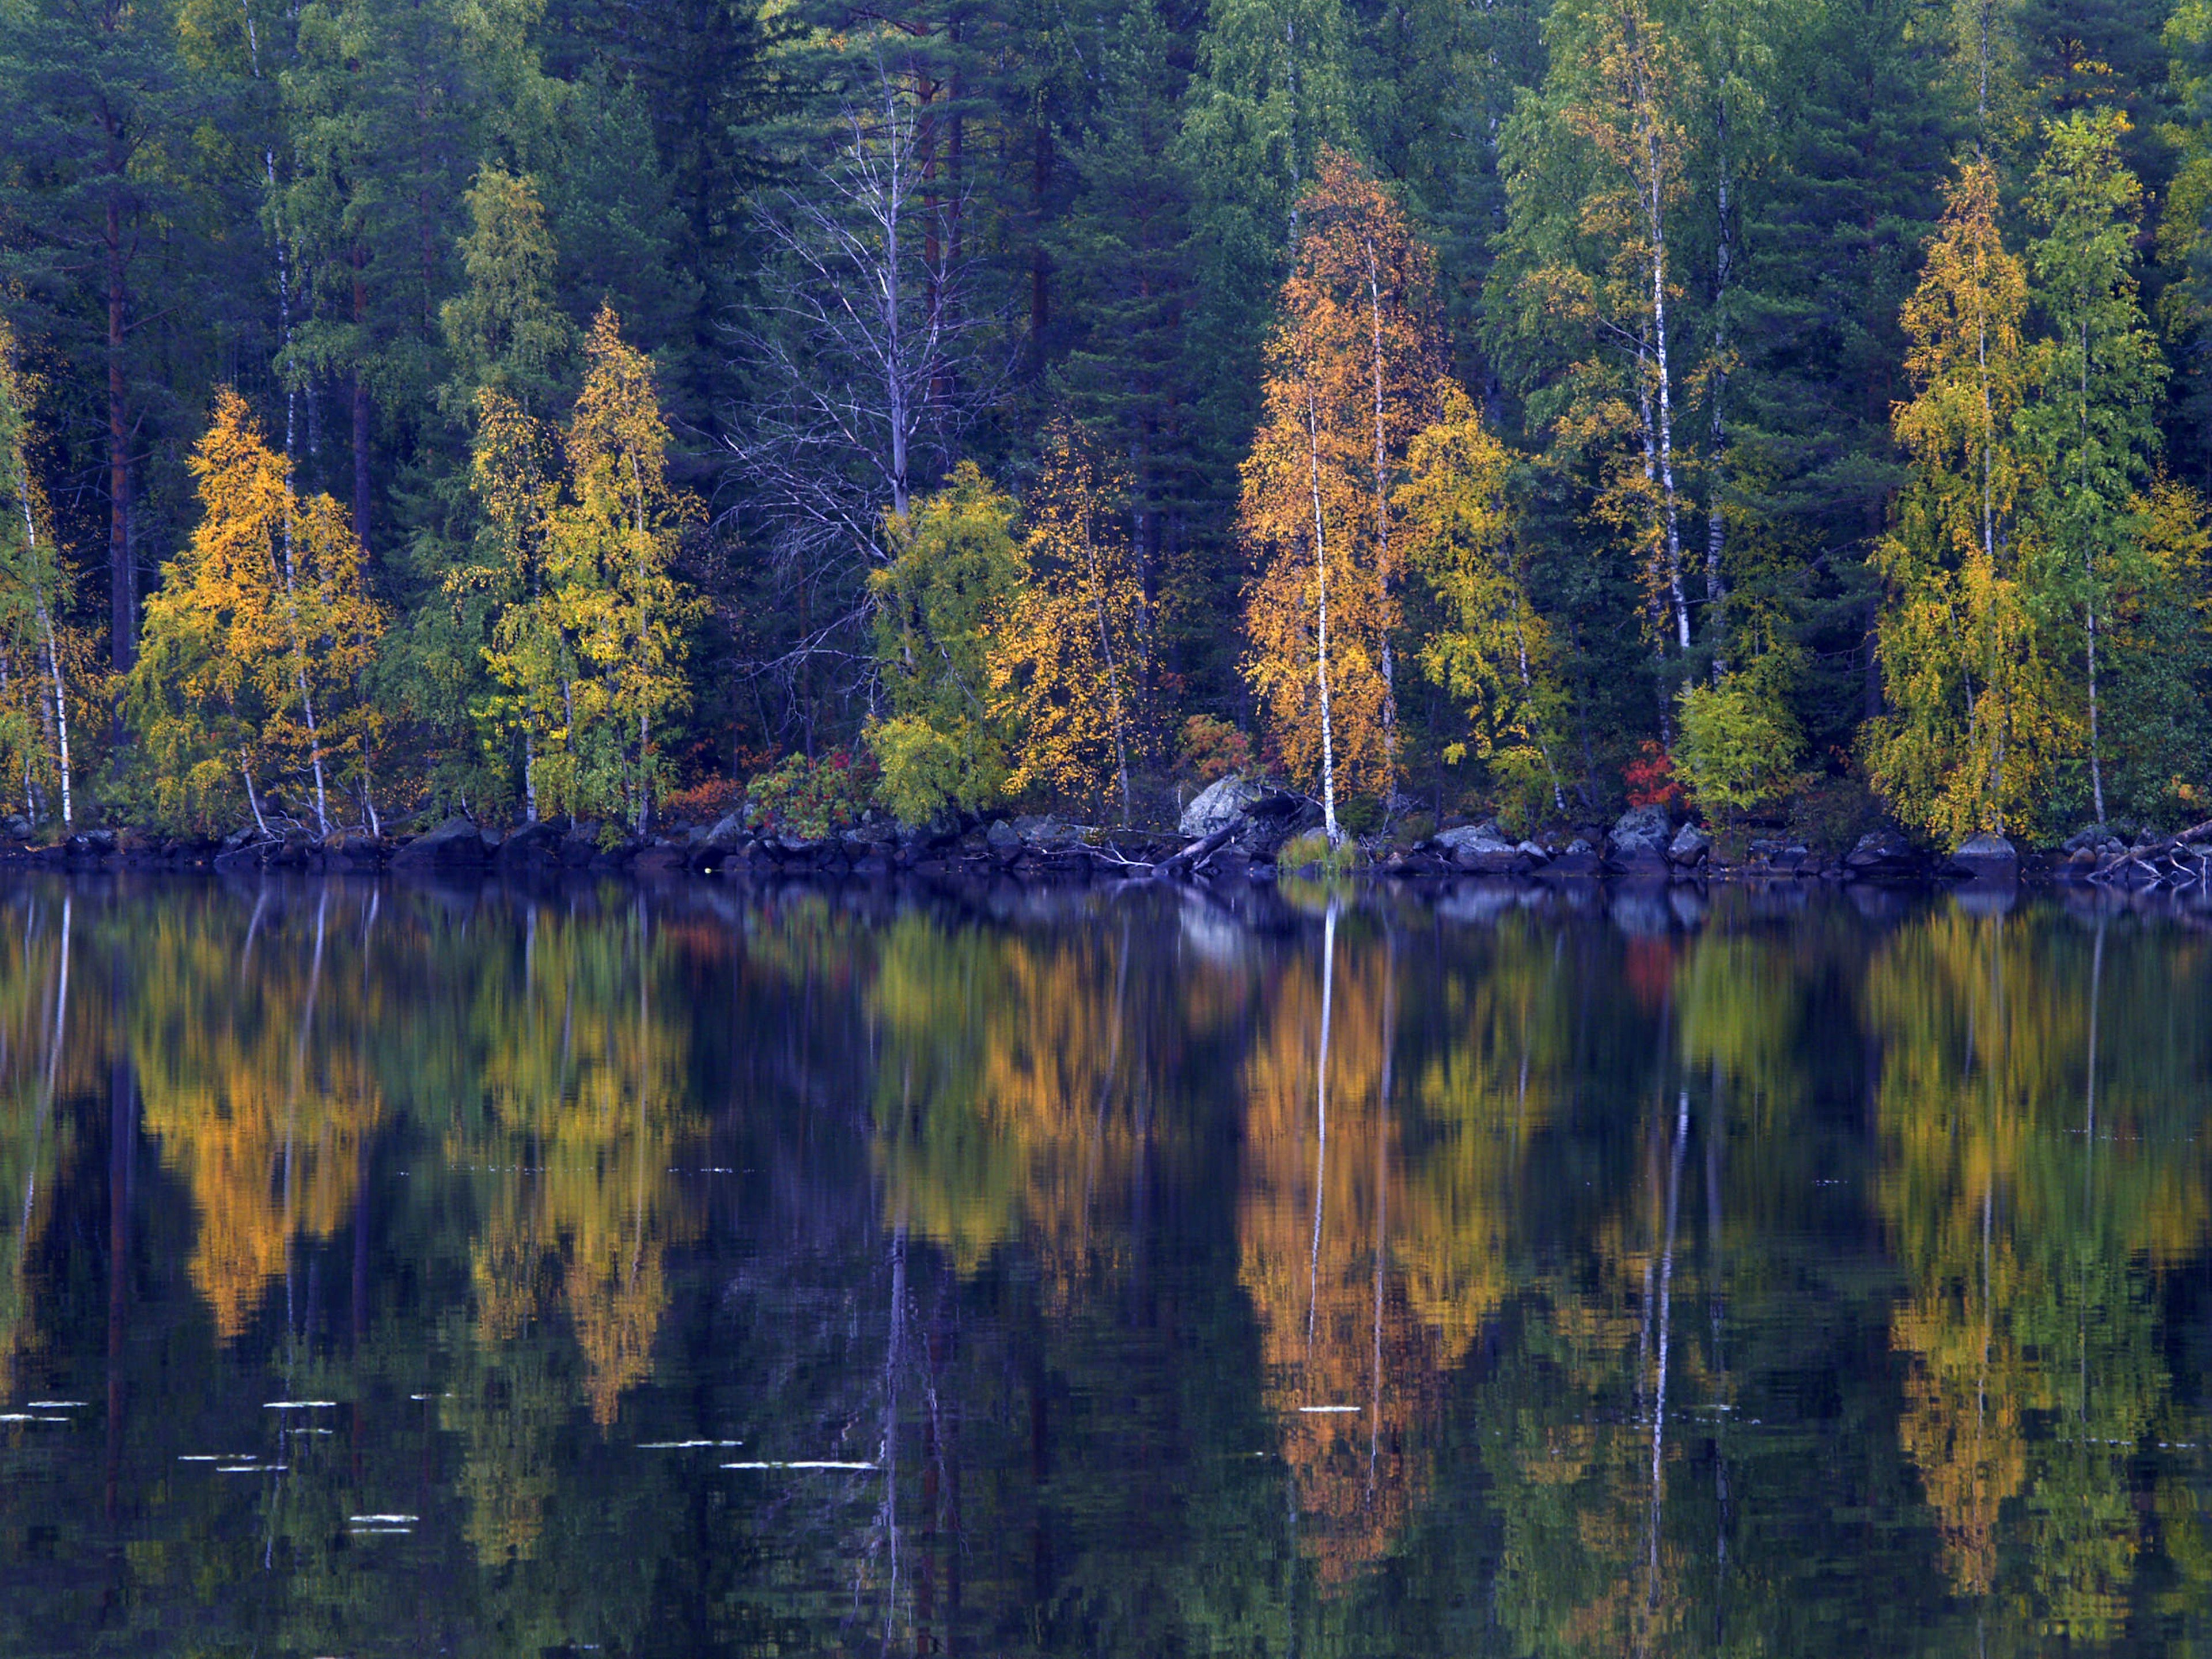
[(810, 798), (1739, 747), (954, 575)]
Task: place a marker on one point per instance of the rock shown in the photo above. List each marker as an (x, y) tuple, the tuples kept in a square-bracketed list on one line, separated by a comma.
[(1690, 848), (535, 846), (1884, 856), (349, 849), (1047, 831), (1537, 856), (1576, 858), (1638, 844), (1219, 805), (17, 827), (1482, 850), (1985, 857), (456, 844), (1003, 839)]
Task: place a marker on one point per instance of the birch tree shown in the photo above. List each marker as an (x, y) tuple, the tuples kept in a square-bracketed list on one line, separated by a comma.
[(36, 656), (872, 356)]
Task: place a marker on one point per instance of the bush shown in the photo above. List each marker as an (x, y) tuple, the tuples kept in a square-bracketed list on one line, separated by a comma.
[(704, 802), (1212, 749), (811, 799), (1740, 745), (1650, 778), (1312, 851)]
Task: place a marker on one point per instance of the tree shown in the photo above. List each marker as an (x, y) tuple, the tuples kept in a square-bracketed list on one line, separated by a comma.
[(1072, 662), (257, 642), (515, 476), (1351, 365), (955, 575), (1492, 652), (34, 586), (610, 584), (1740, 744), (871, 357), (1976, 723), (2098, 380)]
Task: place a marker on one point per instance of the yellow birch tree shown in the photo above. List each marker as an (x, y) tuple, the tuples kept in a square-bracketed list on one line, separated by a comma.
[(1976, 721), (254, 647), (1073, 659), (1349, 368)]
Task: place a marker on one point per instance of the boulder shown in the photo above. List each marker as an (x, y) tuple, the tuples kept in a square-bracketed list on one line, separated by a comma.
[(1638, 844), (1219, 805), (533, 847), (1537, 856), (1576, 858), (1690, 848), (1985, 857), (1884, 856), (1045, 831), (456, 844), (1481, 849), (1005, 840)]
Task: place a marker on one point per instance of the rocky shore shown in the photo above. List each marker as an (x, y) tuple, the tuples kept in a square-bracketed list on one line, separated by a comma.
[(1234, 829)]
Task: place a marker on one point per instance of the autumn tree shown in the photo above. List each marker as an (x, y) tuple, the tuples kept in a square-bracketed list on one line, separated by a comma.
[(255, 646), (1492, 652), (37, 655), (610, 549), (1350, 368), (945, 595), (1976, 724), (515, 474), (1072, 662)]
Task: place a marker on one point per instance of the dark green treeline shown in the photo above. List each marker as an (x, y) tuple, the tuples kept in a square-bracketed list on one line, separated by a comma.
[(1095, 206)]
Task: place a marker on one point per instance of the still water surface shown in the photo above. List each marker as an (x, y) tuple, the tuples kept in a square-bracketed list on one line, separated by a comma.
[(394, 1271)]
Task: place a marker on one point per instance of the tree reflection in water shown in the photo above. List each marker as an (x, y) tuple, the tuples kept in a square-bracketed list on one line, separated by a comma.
[(1113, 1273)]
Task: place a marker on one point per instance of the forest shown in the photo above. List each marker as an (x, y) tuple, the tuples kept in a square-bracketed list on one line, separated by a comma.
[(531, 408)]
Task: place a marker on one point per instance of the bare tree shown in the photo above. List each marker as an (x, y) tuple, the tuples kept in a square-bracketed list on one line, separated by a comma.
[(872, 355)]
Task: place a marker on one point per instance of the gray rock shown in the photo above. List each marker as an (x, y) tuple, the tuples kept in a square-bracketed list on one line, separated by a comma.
[(1884, 855), (456, 844), (534, 844), (1481, 849), (1576, 858), (1985, 857), (1046, 830), (1003, 837), (1536, 855), (1690, 848), (1219, 805), (1638, 844)]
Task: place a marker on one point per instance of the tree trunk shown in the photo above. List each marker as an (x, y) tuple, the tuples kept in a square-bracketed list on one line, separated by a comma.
[(1321, 654)]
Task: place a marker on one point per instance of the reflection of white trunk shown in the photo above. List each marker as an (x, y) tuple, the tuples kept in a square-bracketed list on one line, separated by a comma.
[(46, 1091), (887, 1448), (1321, 1112), (1666, 1332)]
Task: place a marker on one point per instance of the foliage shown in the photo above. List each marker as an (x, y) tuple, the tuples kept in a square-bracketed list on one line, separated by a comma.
[(1350, 365), (255, 648), (43, 664), (810, 798), (1739, 747), (1210, 748), (953, 580), (706, 800), (1649, 778), (1071, 662)]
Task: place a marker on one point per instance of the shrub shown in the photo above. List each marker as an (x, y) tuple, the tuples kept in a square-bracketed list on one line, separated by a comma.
[(1212, 748), (811, 799), (1312, 851), (706, 801), (1740, 745), (1650, 778)]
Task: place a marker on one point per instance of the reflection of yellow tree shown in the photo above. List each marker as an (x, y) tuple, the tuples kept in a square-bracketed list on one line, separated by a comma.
[(1358, 1312), (1010, 1089), (259, 1109), (584, 1087), (2034, 1194)]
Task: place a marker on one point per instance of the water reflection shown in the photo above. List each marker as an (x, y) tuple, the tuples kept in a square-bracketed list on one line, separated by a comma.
[(715, 1270)]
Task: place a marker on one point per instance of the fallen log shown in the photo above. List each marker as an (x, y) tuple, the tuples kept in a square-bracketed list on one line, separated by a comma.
[(1195, 852), (2143, 858)]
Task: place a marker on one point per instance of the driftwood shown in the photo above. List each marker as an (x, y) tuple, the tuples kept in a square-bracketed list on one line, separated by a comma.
[(2145, 858), (1194, 854)]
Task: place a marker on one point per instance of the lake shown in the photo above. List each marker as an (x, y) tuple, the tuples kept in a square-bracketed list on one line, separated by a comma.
[(729, 1271)]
